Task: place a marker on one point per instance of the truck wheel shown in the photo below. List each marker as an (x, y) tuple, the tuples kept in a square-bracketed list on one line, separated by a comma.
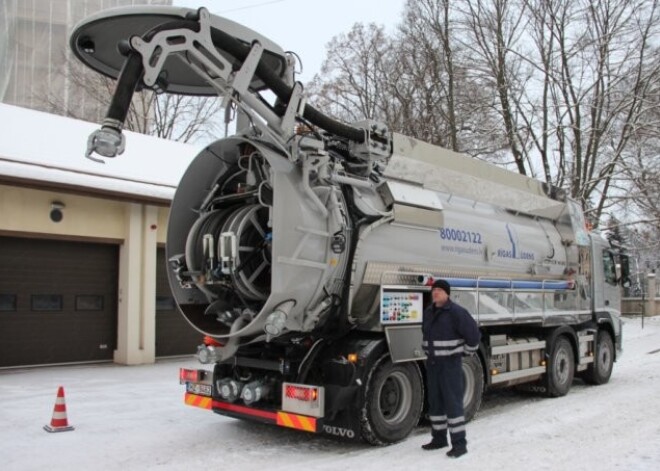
[(600, 370), (561, 368), (473, 377), (393, 401)]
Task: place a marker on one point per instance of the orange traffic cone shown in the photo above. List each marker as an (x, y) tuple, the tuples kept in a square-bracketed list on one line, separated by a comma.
[(59, 422)]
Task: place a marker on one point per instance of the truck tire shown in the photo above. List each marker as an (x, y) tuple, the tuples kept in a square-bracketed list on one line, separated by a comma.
[(600, 370), (473, 380), (561, 368), (392, 402)]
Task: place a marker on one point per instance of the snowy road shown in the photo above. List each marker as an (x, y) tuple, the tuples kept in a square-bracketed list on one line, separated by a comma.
[(133, 418)]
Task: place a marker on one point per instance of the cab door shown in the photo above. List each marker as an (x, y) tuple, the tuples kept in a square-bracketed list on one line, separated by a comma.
[(607, 294)]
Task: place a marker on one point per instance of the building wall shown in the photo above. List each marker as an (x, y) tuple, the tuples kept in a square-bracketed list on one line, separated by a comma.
[(649, 305), (637, 306), (28, 211), (37, 69), (163, 216), (136, 228)]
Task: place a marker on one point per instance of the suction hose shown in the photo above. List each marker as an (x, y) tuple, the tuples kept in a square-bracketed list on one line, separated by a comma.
[(132, 71), (283, 91)]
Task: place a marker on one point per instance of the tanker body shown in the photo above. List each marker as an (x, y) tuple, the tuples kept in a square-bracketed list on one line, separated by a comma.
[(303, 249)]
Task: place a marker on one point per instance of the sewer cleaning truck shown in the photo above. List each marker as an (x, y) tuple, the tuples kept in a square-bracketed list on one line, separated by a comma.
[(303, 248)]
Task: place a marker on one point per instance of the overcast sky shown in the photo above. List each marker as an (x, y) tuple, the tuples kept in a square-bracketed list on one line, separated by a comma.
[(304, 27)]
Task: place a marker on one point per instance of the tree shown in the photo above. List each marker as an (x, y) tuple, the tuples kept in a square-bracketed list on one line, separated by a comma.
[(350, 84), (640, 192), (494, 29), (414, 81), (564, 88), (572, 100), (452, 106)]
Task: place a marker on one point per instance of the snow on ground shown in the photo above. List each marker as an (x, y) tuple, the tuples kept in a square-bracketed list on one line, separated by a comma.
[(133, 418)]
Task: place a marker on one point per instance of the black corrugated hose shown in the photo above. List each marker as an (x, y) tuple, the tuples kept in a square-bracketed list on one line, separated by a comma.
[(132, 71), (240, 51)]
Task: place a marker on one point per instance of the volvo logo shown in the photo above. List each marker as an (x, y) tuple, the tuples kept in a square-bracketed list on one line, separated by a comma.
[(339, 431)]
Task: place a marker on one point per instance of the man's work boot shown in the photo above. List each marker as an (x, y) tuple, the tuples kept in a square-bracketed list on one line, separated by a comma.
[(433, 445), (456, 452)]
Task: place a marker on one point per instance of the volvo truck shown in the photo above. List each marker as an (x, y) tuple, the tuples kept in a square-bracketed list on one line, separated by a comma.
[(303, 248)]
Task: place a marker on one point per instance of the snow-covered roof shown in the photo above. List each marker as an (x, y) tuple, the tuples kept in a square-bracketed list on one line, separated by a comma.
[(40, 148)]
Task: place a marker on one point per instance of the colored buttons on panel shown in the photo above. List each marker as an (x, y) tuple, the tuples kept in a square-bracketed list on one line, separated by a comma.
[(401, 307)]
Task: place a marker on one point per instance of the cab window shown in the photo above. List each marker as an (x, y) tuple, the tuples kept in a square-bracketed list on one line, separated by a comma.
[(625, 270), (609, 267)]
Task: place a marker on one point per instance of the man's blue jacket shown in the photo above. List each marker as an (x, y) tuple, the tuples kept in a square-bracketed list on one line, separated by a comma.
[(449, 331)]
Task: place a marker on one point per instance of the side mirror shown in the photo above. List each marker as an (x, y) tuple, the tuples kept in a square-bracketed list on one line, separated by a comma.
[(623, 271)]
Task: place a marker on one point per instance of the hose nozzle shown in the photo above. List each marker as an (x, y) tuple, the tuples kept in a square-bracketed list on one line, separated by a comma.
[(108, 142)]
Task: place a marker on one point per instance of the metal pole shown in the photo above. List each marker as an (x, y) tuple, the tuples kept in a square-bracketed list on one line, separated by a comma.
[(643, 306)]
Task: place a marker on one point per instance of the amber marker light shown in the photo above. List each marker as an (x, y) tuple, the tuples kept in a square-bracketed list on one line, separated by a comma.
[(352, 358)]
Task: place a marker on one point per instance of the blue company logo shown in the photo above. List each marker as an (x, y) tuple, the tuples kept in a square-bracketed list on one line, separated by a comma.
[(514, 252)]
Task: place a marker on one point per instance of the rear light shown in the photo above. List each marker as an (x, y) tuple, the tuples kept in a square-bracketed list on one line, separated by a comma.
[(210, 341), (301, 393), (303, 399), (191, 376)]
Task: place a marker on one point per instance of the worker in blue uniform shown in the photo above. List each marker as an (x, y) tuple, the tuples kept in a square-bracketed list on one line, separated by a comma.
[(449, 332)]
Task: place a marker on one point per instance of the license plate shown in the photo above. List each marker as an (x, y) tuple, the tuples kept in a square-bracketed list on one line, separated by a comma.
[(197, 388)]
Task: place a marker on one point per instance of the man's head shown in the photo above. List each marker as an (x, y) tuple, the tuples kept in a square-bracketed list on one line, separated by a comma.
[(440, 292)]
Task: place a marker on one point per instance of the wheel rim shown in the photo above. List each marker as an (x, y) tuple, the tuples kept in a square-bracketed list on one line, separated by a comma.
[(604, 358), (562, 366), (395, 398)]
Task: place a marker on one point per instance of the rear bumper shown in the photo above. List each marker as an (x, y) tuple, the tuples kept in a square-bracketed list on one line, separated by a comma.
[(275, 417)]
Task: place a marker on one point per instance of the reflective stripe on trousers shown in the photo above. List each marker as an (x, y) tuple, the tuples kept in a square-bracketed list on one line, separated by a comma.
[(444, 378)]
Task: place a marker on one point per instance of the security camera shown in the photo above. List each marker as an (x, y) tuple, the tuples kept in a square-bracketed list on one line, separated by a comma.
[(56, 214)]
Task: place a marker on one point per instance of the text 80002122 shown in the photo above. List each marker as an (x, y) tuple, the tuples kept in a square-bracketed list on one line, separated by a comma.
[(460, 235)]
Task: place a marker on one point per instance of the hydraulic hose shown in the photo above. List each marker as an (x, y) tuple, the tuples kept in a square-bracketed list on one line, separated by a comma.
[(128, 80), (133, 69), (283, 91), (131, 73), (109, 140)]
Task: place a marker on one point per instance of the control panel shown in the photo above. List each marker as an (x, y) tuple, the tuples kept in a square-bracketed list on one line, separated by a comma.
[(400, 307)]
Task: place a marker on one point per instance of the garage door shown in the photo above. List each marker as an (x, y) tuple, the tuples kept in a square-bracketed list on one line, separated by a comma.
[(58, 301), (174, 335)]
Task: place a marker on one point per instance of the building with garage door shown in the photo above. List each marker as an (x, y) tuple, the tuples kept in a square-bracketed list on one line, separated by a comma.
[(82, 259)]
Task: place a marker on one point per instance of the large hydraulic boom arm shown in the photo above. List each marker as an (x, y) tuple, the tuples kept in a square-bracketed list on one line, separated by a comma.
[(234, 67)]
